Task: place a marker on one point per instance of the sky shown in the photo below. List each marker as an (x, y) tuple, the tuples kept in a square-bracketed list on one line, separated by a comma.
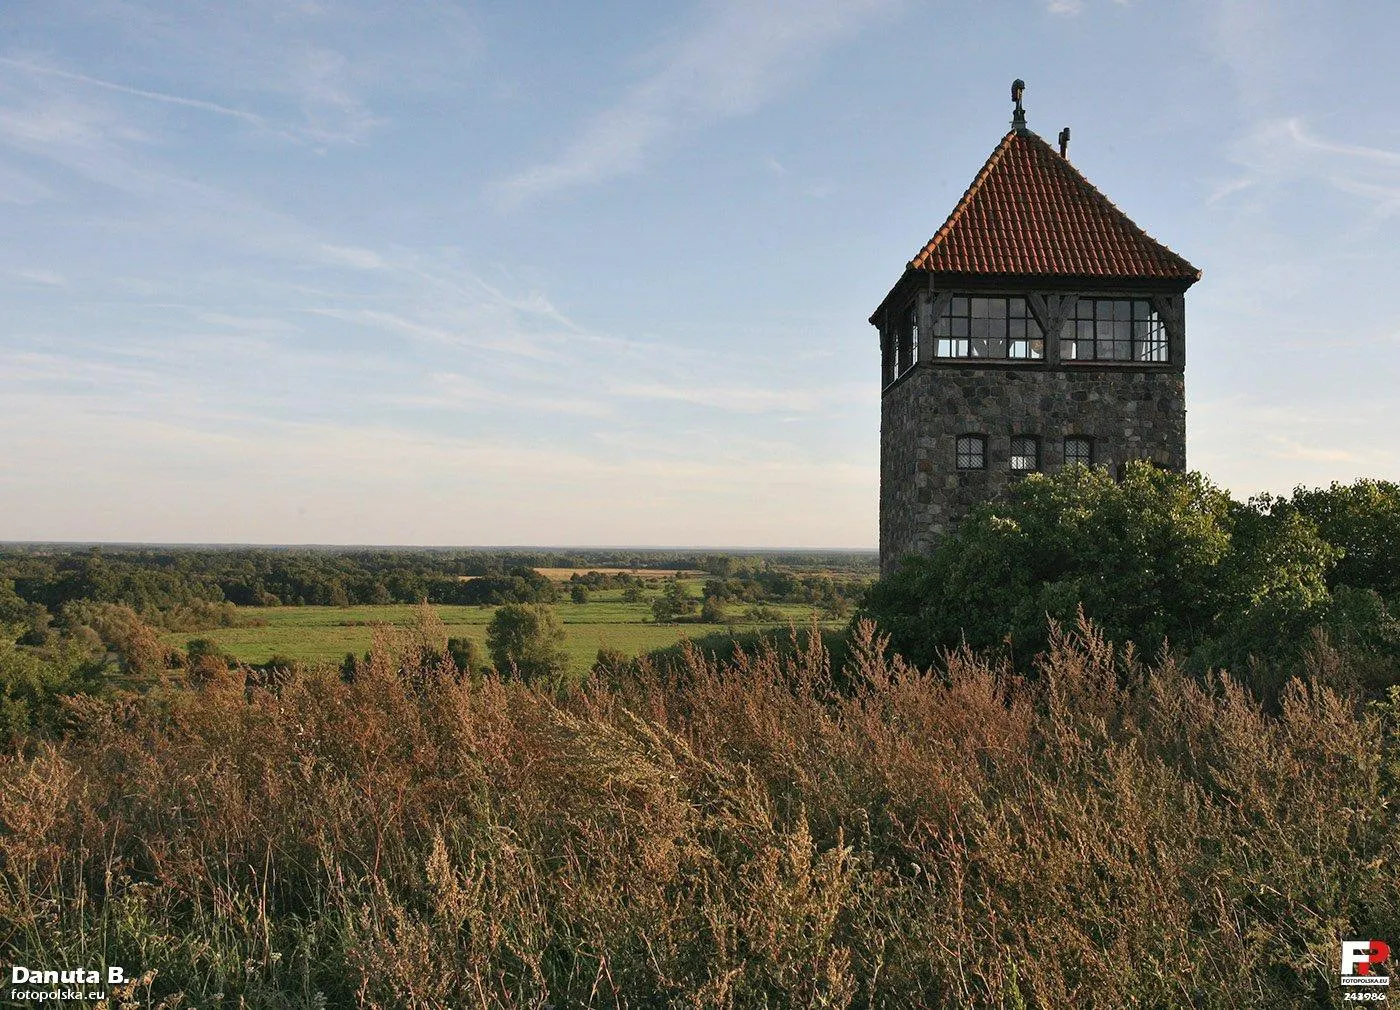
[(313, 271)]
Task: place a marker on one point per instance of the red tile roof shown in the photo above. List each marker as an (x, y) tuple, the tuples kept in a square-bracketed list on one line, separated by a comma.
[(1029, 211)]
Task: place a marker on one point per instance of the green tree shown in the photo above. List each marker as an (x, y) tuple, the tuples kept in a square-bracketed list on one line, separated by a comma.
[(1140, 555), (673, 602), (528, 639), (466, 654), (578, 592), (712, 611), (1156, 557), (1363, 519)]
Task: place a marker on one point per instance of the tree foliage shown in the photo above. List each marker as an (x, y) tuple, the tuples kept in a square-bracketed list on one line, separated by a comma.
[(527, 639), (1155, 558)]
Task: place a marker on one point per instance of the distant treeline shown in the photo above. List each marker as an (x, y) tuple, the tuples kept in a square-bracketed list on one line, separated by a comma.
[(161, 579)]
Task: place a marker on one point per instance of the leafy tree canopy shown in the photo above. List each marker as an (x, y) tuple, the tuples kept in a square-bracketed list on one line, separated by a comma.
[(528, 639), (1157, 557)]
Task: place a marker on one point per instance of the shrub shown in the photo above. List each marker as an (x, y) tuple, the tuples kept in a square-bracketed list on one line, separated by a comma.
[(712, 611)]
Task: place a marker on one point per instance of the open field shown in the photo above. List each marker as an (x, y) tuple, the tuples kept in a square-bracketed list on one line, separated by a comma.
[(314, 634), (649, 574)]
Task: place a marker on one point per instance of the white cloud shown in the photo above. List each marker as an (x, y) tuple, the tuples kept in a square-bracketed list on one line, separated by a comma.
[(742, 57), (266, 481), (1313, 446), (1283, 149), (47, 278), (351, 256), (334, 113), (737, 399)]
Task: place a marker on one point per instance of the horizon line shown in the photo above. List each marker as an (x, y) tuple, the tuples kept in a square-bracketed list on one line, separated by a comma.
[(433, 547)]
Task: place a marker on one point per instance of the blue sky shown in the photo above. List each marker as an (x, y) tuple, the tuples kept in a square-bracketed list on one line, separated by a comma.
[(560, 273)]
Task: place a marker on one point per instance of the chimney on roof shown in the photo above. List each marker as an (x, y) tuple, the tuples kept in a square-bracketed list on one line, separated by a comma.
[(1064, 142), (1018, 118)]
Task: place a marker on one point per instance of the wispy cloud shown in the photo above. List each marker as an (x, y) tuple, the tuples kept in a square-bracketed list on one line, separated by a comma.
[(334, 113), (740, 58), (1283, 149), (1314, 447), (737, 399), (514, 344), (46, 278), (460, 394), (156, 96), (352, 256), (22, 188)]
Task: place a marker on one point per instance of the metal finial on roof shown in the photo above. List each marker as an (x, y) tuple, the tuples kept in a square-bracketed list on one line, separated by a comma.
[(1018, 118), (1064, 142)]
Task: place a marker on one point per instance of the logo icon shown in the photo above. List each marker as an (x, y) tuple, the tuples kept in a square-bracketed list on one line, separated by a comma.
[(1360, 958)]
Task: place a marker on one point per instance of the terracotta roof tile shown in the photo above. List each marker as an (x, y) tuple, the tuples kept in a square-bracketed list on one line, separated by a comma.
[(1029, 211)]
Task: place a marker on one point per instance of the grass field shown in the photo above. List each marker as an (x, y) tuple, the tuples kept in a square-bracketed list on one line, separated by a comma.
[(650, 574), (314, 634)]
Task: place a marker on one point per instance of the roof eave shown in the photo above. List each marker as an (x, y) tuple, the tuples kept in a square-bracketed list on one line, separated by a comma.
[(949, 278)]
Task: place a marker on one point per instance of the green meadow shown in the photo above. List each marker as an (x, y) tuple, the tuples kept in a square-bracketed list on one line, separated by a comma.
[(316, 634)]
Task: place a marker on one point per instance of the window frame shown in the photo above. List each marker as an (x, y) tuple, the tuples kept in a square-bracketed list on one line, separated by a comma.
[(889, 355), (1143, 334), (1017, 323), (970, 438), (1013, 455), (1088, 444), (907, 339)]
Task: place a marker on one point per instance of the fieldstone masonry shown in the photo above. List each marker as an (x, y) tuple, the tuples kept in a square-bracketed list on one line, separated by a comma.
[(1129, 412)]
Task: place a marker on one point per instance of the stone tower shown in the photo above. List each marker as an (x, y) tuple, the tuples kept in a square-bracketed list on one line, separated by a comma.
[(1039, 327)]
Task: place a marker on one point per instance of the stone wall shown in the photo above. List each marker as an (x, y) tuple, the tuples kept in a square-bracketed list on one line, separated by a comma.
[(1130, 412)]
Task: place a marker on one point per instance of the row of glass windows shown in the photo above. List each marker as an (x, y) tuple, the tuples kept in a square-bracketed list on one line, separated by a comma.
[(1025, 452), (988, 328), (1098, 329), (1113, 329), (1004, 328)]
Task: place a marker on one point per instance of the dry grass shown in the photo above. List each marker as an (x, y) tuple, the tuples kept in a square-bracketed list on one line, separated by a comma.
[(760, 834)]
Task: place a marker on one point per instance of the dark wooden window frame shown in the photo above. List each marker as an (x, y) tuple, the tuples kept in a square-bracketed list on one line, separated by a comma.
[(1087, 457), (1120, 329), (907, 339), (1018, 336), (1021, 441), (969, 447)]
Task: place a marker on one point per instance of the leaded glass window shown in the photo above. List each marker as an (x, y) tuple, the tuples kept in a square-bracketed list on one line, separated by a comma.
[(978, 327), (1025, 454), (972, 452), (1113, 329), (1079, 450)]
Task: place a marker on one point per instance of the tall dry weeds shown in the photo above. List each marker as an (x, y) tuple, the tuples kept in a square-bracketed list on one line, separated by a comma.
[(760, 833)]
